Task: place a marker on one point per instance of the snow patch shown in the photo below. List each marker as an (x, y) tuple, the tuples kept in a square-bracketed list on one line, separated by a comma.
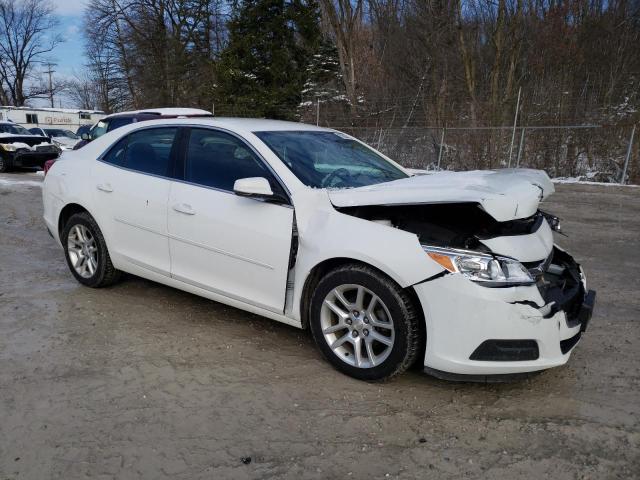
[(7, 182), (576, 180)]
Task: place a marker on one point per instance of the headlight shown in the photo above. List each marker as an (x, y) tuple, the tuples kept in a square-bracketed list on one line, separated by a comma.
[(485, 269), (8, 147)]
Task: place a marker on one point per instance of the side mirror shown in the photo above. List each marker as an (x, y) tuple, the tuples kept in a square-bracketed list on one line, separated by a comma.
[(85, 136), (253, 187)]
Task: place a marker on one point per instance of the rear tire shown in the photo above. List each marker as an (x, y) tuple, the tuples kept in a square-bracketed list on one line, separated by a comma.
[(86, 252), (356, 304)]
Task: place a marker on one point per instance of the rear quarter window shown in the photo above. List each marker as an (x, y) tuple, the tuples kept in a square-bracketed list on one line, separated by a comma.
[(119, 122)]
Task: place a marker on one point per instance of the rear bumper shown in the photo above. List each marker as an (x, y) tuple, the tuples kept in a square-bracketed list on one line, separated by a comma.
[(505, 330)]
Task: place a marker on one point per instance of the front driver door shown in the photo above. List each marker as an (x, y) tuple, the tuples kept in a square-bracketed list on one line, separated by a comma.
[(231, 245)]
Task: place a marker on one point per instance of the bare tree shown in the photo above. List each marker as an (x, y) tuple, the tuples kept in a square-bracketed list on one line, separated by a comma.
[(25, 39), (344, 18), (83, 91), (154, 52)]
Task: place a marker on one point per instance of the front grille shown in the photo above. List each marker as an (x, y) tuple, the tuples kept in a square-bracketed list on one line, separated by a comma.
[(45, 148), (506, 351)]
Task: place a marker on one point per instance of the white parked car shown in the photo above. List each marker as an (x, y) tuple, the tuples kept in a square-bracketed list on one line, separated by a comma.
[(313, 228), (63, 138)]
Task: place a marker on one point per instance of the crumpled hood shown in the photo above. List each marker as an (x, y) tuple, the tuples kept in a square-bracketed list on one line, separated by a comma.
[(505, 194)]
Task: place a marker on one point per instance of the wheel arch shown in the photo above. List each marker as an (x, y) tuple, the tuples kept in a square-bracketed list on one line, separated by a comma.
[(65, 214), (322, 268)]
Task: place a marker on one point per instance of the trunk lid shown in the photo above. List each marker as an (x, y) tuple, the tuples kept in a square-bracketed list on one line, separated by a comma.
[(505, 194)]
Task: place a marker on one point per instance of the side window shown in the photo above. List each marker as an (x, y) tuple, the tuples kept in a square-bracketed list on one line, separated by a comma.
[(150, 150), (119, 122), (217, 159), (32, 118)]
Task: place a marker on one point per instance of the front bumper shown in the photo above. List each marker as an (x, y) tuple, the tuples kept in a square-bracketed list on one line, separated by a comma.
[(505, 330)]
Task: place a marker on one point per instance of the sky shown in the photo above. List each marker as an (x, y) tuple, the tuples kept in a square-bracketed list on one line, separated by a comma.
[(69, 55)]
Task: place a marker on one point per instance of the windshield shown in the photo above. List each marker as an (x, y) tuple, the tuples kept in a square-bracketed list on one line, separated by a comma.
[(14, 129), (57, 132), (98, 130), (330, 159)]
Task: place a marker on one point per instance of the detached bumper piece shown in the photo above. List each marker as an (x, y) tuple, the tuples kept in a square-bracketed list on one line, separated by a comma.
[(586, 310), (563, 284), (493, 378), (584, 315), (560, 282)]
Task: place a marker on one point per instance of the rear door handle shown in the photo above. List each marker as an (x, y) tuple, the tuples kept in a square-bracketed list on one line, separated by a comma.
[(184, 208), (104, 187)]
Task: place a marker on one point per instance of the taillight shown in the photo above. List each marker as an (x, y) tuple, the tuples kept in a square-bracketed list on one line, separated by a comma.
[(47, 165)]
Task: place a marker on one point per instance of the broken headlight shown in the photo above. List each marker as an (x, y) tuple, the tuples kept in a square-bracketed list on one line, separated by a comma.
[(483, 268)]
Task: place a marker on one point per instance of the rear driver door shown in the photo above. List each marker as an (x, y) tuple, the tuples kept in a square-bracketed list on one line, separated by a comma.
[(132, 190)]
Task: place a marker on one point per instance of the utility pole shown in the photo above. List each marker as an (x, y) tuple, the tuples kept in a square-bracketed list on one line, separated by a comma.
[(515, 123), (623, 179), (50, 72)]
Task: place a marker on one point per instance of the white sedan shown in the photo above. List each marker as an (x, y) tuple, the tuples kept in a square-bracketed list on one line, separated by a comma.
[(311, 227)]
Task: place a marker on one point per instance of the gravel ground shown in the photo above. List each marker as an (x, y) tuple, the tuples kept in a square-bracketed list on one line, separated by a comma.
[(143, 381)]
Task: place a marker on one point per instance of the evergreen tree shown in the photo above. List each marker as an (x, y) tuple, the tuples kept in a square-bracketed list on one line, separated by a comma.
[(263, 69), (323, 85)]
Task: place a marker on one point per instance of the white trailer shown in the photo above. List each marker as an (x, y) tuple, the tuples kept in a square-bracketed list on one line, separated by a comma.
[(69, 118)]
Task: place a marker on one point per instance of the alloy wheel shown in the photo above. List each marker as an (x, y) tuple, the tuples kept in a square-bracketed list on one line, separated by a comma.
[(82, 251), (357, 326)]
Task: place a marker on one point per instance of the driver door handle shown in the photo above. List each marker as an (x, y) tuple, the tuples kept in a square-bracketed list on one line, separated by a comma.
[(104, 187), (184, 208)]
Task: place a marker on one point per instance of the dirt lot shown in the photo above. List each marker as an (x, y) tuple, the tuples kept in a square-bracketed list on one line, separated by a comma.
[(140, 380)]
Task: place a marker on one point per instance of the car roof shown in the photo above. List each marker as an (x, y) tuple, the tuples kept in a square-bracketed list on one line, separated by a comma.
[(243, 124), (162, 112)]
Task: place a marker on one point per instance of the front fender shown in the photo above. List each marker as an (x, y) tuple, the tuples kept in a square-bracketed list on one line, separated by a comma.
[(325, 234)]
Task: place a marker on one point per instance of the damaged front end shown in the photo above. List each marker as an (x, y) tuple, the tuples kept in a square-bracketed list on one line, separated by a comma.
[(508, 299)]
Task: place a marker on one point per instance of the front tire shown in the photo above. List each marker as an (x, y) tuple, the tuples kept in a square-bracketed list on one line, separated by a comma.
[(86, 252), (364, 324), (5, 164)]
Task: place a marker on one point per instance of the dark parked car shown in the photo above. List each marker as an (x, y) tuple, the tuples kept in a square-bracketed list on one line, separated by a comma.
[(20, 148)]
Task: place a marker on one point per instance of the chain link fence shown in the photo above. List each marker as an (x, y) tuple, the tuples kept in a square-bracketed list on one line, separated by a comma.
[(584, 152)]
